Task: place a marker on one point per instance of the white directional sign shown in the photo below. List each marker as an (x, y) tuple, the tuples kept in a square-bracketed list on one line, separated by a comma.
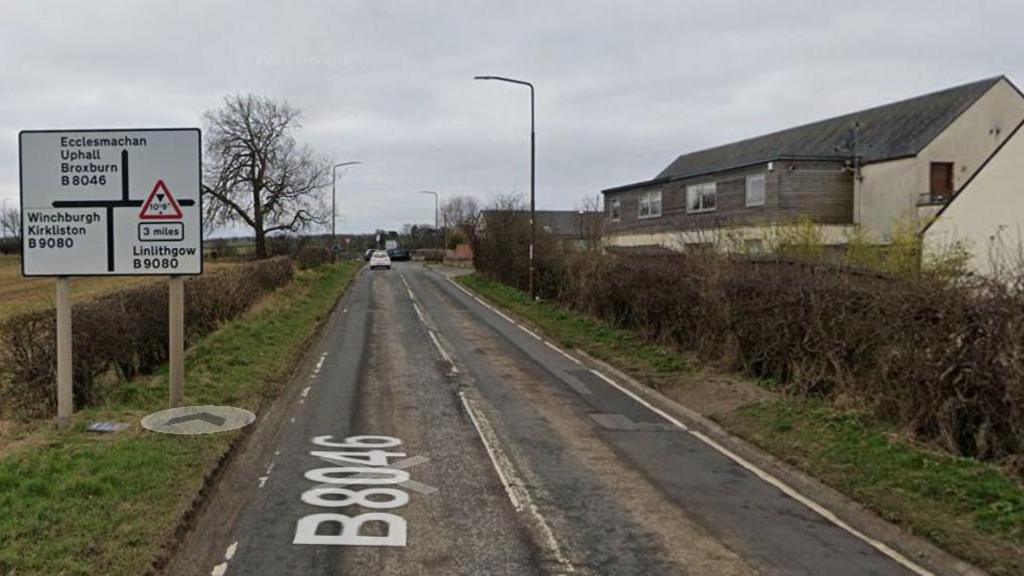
[(111, 202)]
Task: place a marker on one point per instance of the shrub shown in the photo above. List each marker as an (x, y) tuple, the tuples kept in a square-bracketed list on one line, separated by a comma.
[(312, 256), (124, 331), (942, 359)]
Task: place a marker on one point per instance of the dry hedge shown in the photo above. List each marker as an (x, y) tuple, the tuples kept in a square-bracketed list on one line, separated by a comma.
[(945, 361), (124, 331)]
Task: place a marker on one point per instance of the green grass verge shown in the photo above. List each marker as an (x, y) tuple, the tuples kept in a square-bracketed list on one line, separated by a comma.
[(79, 503), (967, 507)]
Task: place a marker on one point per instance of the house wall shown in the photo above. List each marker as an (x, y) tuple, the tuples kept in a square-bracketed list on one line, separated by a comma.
[(987, 216), (890, 191), (819, 190)]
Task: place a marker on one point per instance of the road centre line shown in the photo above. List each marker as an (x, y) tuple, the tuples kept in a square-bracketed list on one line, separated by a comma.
[(444, 354), (749, 466), (419, 313), (511, 482)]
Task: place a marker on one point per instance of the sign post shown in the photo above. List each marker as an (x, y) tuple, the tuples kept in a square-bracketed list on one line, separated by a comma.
[(112, 203), (65, 399)]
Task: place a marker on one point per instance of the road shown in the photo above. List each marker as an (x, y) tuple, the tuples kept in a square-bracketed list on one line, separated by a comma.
[(457, 442)]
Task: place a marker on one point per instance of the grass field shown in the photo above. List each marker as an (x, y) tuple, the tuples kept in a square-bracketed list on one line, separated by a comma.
[(20, 294), (76, 503), (970, 508)]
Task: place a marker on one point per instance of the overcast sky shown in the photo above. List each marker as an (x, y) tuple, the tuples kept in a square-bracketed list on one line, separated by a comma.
[(622, 87)]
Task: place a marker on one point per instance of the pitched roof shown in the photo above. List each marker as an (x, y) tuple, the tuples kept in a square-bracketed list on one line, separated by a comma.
[(886, 132), (557, 222)]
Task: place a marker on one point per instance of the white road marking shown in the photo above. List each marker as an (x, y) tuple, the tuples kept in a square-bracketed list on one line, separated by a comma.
[(770, 479), (444, 354), (562, 352), (514, 487), (220, 569), (419, 313), (263, 481), (320, 364), (760, 473), (231, 551), (407, 288), (305, 391)]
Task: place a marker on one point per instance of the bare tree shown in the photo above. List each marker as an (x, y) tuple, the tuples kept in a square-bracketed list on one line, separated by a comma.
[(10, 223), (591, 222), (461, 213), (257, 174)]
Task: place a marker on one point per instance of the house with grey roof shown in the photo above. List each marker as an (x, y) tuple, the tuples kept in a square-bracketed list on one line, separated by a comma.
[(859, 174), (573, 228)]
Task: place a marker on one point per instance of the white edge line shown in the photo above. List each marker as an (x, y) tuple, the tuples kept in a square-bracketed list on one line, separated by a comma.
[(783, 487), (504, 475), (231, 551), (762, 474), (220, 569), (562, 352)]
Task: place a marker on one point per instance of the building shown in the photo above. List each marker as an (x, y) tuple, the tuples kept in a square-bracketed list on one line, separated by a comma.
[(861, 174), (573, 228)]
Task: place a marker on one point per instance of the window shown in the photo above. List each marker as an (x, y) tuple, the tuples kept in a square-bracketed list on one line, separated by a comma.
[(941, 181), (755, 190), (701, 197), (649, 205), (615, 210)]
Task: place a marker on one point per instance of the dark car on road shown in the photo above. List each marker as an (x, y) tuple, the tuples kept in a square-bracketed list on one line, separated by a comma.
[(399, 255), (368, 254)]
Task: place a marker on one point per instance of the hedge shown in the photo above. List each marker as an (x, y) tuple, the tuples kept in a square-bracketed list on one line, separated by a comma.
[(124, 331)]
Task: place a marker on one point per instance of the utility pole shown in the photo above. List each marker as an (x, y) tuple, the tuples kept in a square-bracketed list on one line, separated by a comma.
[(533, 173)]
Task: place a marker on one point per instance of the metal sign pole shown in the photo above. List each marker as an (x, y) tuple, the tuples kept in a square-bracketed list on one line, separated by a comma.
[(65, 400), (176, 338)]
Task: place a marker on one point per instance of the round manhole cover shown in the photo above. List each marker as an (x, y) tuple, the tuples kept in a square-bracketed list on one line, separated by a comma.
[(198, 420)]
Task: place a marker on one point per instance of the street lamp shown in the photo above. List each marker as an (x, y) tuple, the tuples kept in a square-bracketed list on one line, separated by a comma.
[(533, 171), (436, 231), (334, 212)]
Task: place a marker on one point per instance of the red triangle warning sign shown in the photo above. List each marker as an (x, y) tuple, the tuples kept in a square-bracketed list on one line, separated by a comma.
[(160, 205)]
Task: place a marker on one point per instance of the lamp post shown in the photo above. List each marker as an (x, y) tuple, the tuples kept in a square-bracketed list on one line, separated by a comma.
[(334, 200), (436, 231), (533, 171)]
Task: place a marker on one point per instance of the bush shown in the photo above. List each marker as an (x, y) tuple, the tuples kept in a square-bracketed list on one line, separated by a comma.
[(124, 331), (312, 256), (944, 360)]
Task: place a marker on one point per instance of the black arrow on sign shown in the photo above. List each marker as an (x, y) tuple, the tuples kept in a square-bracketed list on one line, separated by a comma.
[(204, 416), (124, 202)]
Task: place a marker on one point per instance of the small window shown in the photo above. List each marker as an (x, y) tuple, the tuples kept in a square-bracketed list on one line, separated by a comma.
[(755, 190), (941, 181), (649, 205), (615, 209), (701, 197)]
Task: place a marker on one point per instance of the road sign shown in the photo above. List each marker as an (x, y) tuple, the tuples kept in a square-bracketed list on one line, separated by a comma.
[(111, 202), (198, 420)]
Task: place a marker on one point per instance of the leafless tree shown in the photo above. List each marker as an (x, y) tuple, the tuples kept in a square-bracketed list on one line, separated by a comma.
[(257, 174), (10, 222), (461, 213), (591, 222)]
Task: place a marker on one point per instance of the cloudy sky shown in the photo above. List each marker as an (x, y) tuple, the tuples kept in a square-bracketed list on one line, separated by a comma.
[(622, 87)]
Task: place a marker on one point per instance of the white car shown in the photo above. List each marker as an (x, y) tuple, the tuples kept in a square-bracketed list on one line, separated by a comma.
[(380, 259)]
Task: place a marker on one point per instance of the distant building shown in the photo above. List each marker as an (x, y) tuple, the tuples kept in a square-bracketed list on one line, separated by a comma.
[(575, 229), (864, 172)]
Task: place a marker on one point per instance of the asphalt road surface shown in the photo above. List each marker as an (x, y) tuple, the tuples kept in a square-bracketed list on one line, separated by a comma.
[(432, 435)]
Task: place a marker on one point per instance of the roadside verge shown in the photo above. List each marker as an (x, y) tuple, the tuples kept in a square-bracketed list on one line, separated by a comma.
[(970, 509), (81, 503)]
